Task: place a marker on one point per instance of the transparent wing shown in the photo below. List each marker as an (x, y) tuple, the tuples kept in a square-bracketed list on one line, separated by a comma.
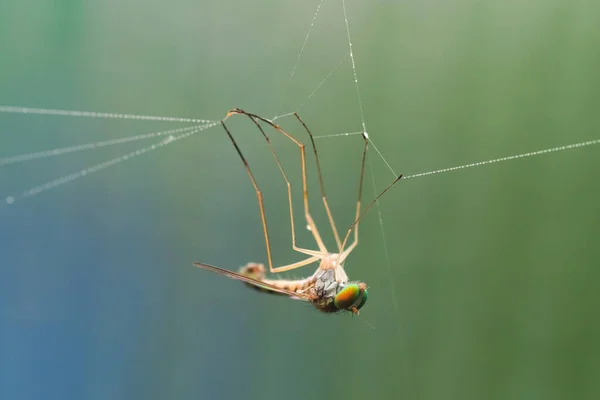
[(253, 282)]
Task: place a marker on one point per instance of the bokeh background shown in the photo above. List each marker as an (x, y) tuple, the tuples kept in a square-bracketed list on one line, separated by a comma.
[(486, 283)]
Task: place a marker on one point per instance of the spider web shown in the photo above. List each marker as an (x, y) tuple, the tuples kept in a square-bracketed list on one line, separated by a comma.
[(163, 138), (199, 124)]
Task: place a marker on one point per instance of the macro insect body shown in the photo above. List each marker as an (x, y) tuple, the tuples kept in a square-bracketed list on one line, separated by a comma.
[(328, 289)]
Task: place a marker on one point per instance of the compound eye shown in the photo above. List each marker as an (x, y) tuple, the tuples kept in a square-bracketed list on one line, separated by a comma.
[(363, 300), (347, 297)]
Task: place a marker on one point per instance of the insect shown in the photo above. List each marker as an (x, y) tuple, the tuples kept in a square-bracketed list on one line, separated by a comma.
[(328, 289)]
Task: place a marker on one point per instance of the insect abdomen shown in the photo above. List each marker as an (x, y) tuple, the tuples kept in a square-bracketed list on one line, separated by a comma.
[(257, 271)]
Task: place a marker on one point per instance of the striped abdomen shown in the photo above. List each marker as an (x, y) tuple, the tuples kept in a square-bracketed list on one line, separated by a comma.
[(257, 271)]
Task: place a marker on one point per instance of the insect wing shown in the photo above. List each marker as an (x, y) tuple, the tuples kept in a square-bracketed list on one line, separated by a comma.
[(253, 282)]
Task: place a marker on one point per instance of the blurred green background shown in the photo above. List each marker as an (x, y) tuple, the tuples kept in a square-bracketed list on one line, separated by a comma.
[(486, 285)]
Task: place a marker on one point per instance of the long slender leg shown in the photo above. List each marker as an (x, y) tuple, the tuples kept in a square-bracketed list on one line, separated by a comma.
[(323, 196), (347, 252), (263, 216), (309, 220), (359, 217), (289, 192)]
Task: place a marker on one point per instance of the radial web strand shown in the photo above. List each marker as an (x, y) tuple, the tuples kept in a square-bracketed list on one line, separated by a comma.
[(94, 114), (89, 146), (310, 28), (378, 208), (34, 191)]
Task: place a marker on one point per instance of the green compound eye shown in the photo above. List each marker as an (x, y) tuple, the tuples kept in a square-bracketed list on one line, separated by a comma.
[(364, 299), (350, 296)]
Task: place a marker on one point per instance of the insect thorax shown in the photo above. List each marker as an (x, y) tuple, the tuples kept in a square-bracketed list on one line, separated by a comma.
[(326, 288)]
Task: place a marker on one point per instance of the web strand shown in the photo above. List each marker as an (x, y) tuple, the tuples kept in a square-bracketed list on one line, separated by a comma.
[(310, 28), (88, 146), (378, 208), (383, 158), (362, 116), (322, 82), (503, 159), (313, 92), (337, 135), (34, 191), (281, 116), (386, 252), (298, 56), (93, 114)]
